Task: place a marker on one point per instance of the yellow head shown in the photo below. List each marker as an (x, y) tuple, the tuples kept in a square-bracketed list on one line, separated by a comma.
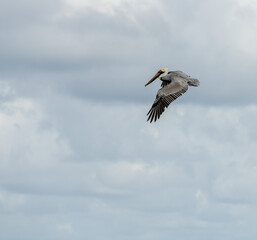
[(164, 70)]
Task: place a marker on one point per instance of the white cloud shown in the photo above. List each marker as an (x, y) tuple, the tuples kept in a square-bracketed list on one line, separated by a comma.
[(24, 138), (77, 155), (10, 201), (192, 174), (111, 6), (201, 197), (66, 227)]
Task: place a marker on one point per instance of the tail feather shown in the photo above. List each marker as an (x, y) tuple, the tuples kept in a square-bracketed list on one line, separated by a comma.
[(193, 82)]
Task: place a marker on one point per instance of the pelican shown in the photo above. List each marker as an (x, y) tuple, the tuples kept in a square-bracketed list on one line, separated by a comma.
[(174, 84)]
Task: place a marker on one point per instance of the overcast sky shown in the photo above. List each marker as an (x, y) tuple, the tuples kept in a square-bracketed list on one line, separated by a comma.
[(78, 159)]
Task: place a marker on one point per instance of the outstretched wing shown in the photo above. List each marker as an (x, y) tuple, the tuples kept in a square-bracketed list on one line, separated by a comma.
[(164, 97)]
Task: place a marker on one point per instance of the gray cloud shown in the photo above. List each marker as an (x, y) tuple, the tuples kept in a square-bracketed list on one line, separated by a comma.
[(103, 162), (78, 159), (123, 50)]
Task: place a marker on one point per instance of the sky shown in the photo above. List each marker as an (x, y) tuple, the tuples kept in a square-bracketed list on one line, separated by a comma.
[(78, 160)]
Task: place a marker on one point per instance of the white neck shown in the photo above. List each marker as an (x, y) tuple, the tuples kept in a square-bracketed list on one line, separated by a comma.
[(163, 74)]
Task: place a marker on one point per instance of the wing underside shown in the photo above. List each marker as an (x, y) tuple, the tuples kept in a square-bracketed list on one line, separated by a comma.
[(164, 98)]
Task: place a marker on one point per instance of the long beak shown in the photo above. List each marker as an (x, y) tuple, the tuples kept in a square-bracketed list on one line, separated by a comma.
[(155, 76)]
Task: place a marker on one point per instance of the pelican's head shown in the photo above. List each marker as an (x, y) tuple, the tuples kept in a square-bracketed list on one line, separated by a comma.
[(161, 73)]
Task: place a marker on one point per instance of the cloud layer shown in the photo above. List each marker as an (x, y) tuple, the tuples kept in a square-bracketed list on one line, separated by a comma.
[(117, 46), (78, 159)]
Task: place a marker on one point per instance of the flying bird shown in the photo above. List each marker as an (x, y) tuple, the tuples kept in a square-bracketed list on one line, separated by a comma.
[(174, 84)]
